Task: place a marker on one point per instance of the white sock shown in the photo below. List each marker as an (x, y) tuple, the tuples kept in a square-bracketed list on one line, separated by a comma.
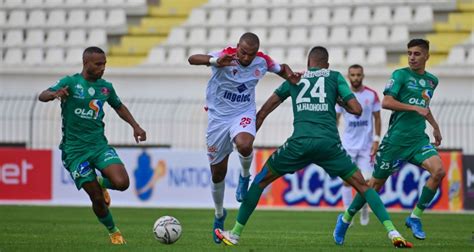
[(394, 233), (217, 190), (245, 162), (346, 196), (412, 215)]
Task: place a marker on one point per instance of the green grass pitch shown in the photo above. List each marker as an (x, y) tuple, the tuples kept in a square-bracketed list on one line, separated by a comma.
[(38, 228)]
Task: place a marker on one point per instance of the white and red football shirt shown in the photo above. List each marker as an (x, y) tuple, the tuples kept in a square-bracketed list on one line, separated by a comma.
[(358, 130), (231, 89)]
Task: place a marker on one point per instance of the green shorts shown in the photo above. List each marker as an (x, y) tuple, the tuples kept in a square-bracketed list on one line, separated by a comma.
[(296, 154), (391, 158), (82, 165)]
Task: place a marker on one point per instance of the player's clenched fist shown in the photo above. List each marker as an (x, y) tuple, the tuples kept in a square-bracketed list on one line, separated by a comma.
[(61, 93), (139, 134), (227, 60)]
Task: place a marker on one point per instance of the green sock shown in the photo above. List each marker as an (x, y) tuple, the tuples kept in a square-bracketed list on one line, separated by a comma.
[(104, 182), (238, 228), (426, 197), (388, 224), (355, 206), (417, 212), (378, 208), (247, 207), (108, 222)]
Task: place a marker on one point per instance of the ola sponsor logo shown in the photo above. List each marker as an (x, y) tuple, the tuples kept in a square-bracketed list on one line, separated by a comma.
[(96, 106), (426, 94), (92, 113), (416, 101)]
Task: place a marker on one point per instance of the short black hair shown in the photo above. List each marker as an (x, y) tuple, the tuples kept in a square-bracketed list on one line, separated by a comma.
[(423, 43), (92, 49), (356, 66), (250, 38), (318, 54)]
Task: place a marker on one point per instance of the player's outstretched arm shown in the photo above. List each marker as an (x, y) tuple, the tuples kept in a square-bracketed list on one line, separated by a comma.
[(207, 60), (352, 106), (436, 131), (288, 74), (389, 102), (48, 95), (271, 104), (138, 133), (199, 59)]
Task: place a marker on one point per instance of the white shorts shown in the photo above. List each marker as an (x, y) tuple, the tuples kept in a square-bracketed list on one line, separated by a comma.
[(220, 135), (363, 160)]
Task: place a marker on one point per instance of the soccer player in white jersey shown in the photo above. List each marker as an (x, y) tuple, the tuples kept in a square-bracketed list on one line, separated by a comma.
[(358, 138), (230, 99)]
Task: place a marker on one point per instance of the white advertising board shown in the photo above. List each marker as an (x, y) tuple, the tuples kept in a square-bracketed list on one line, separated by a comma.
[(158, 178)]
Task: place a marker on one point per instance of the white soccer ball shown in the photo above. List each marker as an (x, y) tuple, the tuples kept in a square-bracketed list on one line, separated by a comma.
[(167, 229)]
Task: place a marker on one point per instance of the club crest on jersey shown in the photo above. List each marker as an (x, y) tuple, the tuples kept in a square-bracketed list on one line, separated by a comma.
[(257, 73), (91, 91), (422, 82), (78, 91)]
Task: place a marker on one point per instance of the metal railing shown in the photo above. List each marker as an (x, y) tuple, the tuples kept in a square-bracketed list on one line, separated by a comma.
[(181, 123)]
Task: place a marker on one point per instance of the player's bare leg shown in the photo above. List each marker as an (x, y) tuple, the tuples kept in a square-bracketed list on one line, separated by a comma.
[(117, 177), (364, 214), (372, 198), (114, 177), (346, 196), (218, 172), (262, 180), (102, 212), (435, 167), (244, 144)]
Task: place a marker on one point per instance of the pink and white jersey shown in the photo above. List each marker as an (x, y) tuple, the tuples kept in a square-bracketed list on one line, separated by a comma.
[(358, 129), (231, 90)]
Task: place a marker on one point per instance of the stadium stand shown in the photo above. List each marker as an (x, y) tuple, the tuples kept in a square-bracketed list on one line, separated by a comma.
[(351, 26), (285, 24)]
